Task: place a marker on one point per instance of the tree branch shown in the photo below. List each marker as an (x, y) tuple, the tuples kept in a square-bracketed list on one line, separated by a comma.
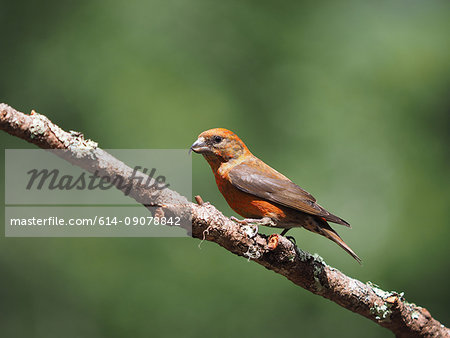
[(388, 309)]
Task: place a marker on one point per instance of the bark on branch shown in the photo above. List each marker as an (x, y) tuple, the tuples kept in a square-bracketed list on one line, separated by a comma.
[(388, 309)]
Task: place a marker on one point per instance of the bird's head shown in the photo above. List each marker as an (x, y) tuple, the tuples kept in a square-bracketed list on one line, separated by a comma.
[(219, 144)]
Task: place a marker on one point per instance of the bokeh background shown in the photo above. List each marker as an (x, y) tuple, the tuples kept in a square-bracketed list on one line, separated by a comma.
[(349, 99)]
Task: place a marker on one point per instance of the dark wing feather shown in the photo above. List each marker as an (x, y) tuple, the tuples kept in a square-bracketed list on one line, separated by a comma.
[(262, 181)]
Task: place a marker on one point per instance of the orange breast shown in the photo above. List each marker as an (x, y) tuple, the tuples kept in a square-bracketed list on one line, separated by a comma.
[(247, 205)]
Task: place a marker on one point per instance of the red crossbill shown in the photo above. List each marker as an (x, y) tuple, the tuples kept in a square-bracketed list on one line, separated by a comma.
[(260, 193)]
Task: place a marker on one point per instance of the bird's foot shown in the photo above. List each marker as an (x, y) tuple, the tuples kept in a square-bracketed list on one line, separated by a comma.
[(265, 221), (246, 225), (251, 225), (291, 239), (238, 221), (250, 231)]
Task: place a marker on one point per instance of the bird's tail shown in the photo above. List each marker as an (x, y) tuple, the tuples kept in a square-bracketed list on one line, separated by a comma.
[(325, 230)]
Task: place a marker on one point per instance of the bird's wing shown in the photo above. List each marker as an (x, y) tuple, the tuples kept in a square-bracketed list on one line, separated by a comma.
[(258, 179)]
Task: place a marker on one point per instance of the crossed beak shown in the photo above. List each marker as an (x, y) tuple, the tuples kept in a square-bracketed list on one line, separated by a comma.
[(199, 146)]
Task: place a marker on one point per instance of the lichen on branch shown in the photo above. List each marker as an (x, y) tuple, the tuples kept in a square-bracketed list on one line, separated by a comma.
[(388, 309)]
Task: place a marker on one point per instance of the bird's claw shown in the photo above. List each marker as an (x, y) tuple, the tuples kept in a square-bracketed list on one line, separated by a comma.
[(249, 226), (239, 221), (291, 239), (250, 231), (265, 221)]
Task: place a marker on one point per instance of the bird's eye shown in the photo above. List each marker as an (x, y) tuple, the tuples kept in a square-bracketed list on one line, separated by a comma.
[(217, 139)]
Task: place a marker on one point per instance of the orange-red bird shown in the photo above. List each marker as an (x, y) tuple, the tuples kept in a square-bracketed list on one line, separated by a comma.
[(256, 191)]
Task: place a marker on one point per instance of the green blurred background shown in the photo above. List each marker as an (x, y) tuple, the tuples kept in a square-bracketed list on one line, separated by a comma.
[(348, 99)]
